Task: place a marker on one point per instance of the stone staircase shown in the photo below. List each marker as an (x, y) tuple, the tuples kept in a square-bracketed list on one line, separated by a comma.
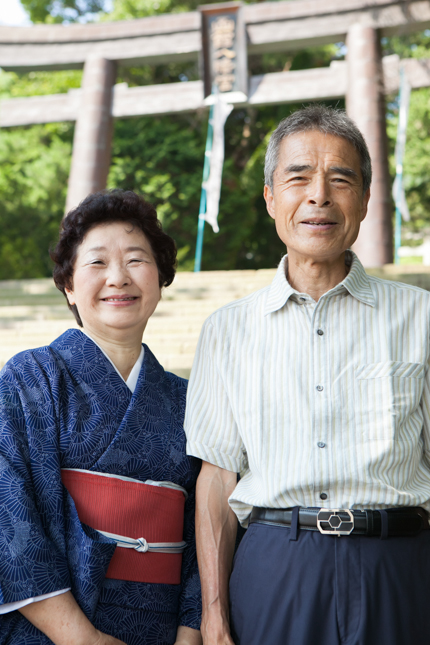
[(33, 312)]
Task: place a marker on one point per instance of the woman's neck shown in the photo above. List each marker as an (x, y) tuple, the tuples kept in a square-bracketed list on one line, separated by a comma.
[(122, 352)]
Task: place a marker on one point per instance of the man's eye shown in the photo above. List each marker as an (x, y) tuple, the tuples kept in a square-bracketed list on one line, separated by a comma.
[(97, 262), (136, 260)]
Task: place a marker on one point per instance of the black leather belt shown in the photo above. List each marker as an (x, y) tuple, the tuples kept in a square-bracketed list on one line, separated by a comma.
[(406, 522)]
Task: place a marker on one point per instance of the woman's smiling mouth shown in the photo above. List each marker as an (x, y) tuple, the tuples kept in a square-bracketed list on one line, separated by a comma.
[(120, 300)]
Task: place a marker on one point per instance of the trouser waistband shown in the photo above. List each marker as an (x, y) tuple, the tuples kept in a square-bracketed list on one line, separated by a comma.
[(395, 522)]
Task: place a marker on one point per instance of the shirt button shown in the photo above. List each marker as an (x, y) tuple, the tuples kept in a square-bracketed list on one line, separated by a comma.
[(321, 444), (320, 332), (323, 496), (320, 388), (302, 299)]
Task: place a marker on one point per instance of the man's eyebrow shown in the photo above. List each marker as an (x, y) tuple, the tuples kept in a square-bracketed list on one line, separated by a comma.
[(346, 172), (341, 170), (297, 168)]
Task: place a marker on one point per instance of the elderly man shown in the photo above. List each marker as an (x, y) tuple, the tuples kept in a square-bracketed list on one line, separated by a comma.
[(316, 391)]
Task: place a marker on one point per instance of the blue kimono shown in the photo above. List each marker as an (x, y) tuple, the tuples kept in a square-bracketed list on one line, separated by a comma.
[(65, 406)]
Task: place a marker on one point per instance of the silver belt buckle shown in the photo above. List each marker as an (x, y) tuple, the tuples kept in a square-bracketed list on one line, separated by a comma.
[(335, 521)]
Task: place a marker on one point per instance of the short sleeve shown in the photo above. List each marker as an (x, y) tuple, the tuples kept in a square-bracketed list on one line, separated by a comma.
[(210, 426), (425, 406)]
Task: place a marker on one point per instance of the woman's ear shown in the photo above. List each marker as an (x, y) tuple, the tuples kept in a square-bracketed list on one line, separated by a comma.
[(70, 296)]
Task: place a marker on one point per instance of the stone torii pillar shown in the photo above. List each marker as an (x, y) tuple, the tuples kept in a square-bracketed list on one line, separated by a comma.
[(93, 131), (366, 105)]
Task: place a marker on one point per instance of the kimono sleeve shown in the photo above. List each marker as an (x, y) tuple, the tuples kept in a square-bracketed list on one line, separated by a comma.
[(32, 560), (211, 429), (190, 600)]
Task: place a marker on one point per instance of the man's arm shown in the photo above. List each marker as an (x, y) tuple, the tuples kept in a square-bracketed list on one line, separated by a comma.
[(216, 527), (64, 622)]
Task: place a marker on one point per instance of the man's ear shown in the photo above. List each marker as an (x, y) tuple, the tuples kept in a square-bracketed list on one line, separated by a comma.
[(270, 202), (365, 204)]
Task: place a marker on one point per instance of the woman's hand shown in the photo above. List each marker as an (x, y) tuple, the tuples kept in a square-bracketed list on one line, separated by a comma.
[(64, 622), (188, 636), (105, 639)]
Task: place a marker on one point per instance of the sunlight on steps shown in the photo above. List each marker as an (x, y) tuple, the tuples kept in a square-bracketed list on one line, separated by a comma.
[(34, 313)]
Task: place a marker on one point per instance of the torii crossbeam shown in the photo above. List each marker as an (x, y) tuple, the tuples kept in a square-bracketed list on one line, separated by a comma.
[(270, 26)]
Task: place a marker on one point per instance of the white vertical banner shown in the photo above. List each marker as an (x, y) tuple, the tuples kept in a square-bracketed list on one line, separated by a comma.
[(398, 188), (213, 183)]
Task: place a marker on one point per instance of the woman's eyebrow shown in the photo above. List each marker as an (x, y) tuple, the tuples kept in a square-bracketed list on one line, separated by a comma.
[(129, 249), (132, 249), (96, 248)]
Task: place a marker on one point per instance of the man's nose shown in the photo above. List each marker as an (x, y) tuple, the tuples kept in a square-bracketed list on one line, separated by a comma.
[(319, 193)]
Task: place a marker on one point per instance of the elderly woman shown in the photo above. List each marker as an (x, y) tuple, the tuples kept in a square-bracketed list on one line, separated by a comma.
[(96, 491)]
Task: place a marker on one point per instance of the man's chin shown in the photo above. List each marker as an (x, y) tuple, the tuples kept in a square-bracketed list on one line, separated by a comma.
[(316, 253)]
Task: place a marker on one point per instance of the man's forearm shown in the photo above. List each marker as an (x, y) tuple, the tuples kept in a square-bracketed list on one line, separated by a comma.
[(63, 621), (216, 527)]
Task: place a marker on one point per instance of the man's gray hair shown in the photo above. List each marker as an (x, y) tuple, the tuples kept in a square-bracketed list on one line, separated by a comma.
[(323, 119)]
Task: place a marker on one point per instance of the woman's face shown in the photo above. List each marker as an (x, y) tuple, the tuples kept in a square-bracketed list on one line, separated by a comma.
[(115, 280)]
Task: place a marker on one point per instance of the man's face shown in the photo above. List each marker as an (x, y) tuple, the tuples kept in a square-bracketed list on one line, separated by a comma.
[(317, 200)]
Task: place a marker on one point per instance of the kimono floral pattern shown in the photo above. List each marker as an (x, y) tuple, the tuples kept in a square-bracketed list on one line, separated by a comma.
[(65, 406)]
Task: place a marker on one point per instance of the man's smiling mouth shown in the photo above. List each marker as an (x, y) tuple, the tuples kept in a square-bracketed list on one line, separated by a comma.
[(318, 223)]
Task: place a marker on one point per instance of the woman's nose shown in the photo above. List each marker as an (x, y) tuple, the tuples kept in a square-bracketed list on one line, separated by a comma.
[(118, 276)]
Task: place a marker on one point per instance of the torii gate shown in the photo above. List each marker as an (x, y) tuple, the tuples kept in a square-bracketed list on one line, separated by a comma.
[(270, 26)]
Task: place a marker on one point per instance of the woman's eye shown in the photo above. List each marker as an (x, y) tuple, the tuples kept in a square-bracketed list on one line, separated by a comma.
[(96, 262)]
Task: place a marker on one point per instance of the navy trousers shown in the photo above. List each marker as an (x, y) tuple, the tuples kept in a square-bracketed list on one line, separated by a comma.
[(326, 590)]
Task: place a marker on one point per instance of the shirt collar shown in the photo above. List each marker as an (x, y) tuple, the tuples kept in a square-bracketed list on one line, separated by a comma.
[(280, 289), (356, 283)]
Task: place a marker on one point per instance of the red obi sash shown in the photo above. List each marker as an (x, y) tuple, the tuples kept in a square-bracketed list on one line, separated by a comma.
[(150, 515)]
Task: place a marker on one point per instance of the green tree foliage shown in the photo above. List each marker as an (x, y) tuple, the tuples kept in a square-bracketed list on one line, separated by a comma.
[(417, 153), (58, 11), (162, 157), (130, 9), (34, 167)]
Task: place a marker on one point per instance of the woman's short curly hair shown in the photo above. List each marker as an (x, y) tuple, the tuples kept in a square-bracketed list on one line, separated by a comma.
[(103, 208)]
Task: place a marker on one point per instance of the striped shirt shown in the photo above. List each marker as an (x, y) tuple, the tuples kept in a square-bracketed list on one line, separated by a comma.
[(317, 403)]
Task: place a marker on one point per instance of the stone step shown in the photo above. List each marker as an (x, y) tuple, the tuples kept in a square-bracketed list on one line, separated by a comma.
[(33, 312)]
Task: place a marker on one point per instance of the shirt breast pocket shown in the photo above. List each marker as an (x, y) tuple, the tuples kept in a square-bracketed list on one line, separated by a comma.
[(388, 395)]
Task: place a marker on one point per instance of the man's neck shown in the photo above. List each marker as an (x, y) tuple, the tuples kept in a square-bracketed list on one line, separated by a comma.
[(313, 277)]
